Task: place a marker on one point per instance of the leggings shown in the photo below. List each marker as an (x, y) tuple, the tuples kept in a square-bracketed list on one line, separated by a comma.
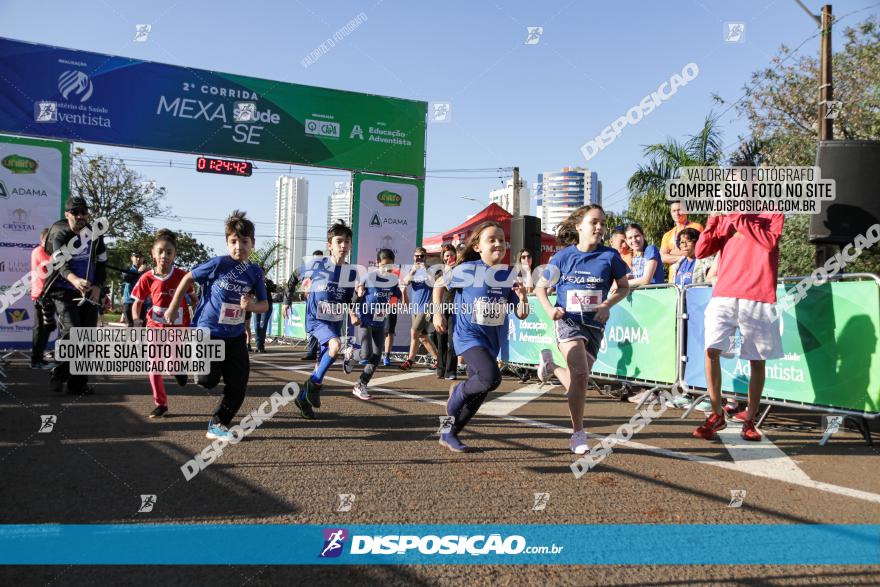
[(483, 377), (372, 339)]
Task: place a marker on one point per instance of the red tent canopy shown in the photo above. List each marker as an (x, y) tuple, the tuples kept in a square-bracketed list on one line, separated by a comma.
[(492, 212)]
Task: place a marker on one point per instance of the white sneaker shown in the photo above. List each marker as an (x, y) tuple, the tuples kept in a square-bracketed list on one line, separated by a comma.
[(578, 443), (681, 402), (545, 368), (637, 397), (360, 391)]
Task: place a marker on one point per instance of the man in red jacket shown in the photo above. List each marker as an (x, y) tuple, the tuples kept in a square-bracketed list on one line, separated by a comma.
[(744, 297)]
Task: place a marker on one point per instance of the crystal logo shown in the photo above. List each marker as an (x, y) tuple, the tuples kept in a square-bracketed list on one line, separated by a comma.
[(19, 164), (75, 82), (18, 221), (389, 198), (334, 539), (322, 128)]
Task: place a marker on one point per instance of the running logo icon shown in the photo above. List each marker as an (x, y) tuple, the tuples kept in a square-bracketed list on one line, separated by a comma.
[(14, 315), (334, 538), (346, 501), (45, 112), (47, 423), (541, 501), (737, 496), (534, 35), (147, 503)]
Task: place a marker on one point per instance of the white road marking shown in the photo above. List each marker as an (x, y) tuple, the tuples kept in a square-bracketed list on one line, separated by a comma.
[(763, 459), (510, 402), (758, 472), (400, 377)]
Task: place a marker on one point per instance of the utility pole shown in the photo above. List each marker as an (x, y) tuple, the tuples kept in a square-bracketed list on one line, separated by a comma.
[(826, 94), (515, 211), (826, 89)]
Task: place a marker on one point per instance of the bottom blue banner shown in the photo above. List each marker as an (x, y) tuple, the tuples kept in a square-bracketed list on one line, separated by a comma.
[(649, 544)]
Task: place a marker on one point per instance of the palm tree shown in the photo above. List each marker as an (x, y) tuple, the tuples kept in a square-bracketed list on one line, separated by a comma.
[(267, 256), (647, 185)]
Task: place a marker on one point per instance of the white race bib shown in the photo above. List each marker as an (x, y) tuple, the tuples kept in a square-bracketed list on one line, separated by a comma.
[(582, 300), (328, 312), (231, 314), (381, 311), (158, 315), (488, 313)]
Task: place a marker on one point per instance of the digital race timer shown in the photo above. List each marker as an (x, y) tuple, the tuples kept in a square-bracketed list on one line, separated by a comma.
[(224, 166)]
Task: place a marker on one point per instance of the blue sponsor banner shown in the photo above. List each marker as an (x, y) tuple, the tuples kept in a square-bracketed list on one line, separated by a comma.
[(265, 544)]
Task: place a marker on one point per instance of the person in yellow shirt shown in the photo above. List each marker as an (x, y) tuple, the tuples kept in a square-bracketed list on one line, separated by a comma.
[(669, 251)]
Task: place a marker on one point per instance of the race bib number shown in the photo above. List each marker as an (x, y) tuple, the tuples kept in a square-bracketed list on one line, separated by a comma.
[(328, 312), (380, 311), (231, 314), (582, 300), (158, 315), (488, 313)]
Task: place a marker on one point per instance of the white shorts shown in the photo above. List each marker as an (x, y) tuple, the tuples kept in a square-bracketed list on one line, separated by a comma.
[(757, 323)]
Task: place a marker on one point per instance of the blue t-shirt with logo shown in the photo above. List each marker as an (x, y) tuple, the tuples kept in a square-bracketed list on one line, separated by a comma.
[(380, 288), (482, 298), (584, 280), (421, 291), (685, 273), (651, 253), (224, 280), (327, 297)]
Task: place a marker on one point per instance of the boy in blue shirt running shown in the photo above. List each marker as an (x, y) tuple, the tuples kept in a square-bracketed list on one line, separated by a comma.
[(326, 306), (227, 283)]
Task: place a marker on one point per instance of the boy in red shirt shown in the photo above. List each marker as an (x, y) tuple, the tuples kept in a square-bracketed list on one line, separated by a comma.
[(744, 297), (159, 286)]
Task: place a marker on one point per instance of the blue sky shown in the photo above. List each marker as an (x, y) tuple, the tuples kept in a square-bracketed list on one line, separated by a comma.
[(512, 103)]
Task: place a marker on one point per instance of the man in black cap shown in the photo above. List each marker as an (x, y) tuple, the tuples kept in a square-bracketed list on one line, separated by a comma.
[(75, 286)]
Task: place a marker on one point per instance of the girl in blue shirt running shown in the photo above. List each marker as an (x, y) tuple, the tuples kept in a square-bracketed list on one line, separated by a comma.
[(583, 273), (484, 290)]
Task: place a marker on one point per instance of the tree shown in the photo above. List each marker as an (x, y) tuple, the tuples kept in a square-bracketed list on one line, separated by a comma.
[(781, 102), (267, 256), (114, 191), (190, 252), (647, 186)]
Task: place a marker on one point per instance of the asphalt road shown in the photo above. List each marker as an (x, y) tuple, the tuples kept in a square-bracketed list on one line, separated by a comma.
[(104, 453)]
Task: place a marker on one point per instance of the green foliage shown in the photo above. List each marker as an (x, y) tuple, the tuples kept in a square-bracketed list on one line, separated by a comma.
[(782, 106), (647, 186), (190, 252), (113, 191), (267, 256)]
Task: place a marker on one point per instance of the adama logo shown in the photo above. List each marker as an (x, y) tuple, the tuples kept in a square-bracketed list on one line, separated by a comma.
[(334, 539), (19, 164), (389, 198)]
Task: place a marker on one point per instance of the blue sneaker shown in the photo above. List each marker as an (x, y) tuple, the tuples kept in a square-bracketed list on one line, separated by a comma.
[(312, 393), (217, 430), (386, 360), (451, 441)]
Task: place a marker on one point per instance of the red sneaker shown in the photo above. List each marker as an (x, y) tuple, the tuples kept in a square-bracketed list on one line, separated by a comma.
[(741, 416), (710, 427), (406, 365), (749, 432)]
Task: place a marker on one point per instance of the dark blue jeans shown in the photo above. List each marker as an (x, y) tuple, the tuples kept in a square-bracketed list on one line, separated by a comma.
[(263, 321)]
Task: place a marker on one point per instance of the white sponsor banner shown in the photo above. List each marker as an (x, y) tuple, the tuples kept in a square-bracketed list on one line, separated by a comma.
[(31, 173), (387, 215)]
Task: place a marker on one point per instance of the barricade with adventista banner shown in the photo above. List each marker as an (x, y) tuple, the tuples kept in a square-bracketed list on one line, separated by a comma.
[(655, 336)]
